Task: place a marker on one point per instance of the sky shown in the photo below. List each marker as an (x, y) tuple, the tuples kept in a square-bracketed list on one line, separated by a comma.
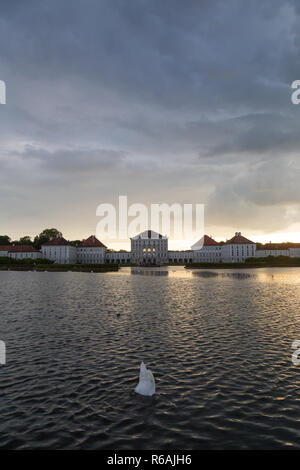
[(174, 101)]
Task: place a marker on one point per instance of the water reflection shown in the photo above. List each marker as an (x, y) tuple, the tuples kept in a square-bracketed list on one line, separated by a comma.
[(222, 274), (220, 350), (205, 273), (149, 272), (281, 275)]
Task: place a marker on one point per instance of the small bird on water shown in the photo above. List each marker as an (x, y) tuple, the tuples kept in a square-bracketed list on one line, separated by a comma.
[(146, 385)]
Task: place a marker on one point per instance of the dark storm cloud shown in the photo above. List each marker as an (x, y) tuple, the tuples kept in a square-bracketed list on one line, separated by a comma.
[(177, 100), (71, 161), (257, 134)]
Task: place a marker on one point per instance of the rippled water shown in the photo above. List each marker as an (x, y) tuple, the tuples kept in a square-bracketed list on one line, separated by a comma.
[(218, 343)]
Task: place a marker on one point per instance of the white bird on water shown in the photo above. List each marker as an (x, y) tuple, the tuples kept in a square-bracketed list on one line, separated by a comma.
[(146, 385)]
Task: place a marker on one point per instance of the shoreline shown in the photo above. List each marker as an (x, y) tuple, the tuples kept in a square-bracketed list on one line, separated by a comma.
[(239, 266), (60, 269), (115, 268)]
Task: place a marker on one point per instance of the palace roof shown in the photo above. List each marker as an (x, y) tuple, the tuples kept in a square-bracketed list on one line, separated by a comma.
[(205, 241), (22, 249), (148, 234), (238, 239), (57, 241), (91, 242)]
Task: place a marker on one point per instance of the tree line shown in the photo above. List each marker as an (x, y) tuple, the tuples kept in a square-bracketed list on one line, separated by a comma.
[(37, 241)]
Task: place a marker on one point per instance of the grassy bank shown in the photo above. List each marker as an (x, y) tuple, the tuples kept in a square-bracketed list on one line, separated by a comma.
[(269, 262), (220, 266), (10, 264), (62, 268)]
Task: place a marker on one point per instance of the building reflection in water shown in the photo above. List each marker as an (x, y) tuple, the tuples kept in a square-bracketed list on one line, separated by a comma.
[(149, 272), (210, 274)]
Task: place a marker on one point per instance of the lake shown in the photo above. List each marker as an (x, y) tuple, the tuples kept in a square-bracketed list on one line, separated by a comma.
[(219, 343)]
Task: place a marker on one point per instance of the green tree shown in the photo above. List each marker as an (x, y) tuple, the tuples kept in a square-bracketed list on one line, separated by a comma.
[(75, 242), (44, 237), (26, 240), (5, 240)]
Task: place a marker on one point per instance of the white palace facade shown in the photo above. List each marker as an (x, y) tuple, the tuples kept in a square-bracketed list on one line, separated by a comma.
[(149, 249)]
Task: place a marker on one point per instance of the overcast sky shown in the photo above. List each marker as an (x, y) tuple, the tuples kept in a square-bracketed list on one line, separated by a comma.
[(183, 101)]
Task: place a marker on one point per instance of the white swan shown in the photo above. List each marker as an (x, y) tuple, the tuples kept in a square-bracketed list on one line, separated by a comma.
[(146, 385)]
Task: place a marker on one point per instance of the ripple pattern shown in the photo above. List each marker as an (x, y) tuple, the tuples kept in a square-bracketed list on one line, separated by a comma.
[(218, 345)]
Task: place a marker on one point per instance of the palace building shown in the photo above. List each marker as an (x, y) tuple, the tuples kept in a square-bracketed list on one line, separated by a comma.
[(207, 250), (60, 251), (20, 252), (150, 248), (91, 251)]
